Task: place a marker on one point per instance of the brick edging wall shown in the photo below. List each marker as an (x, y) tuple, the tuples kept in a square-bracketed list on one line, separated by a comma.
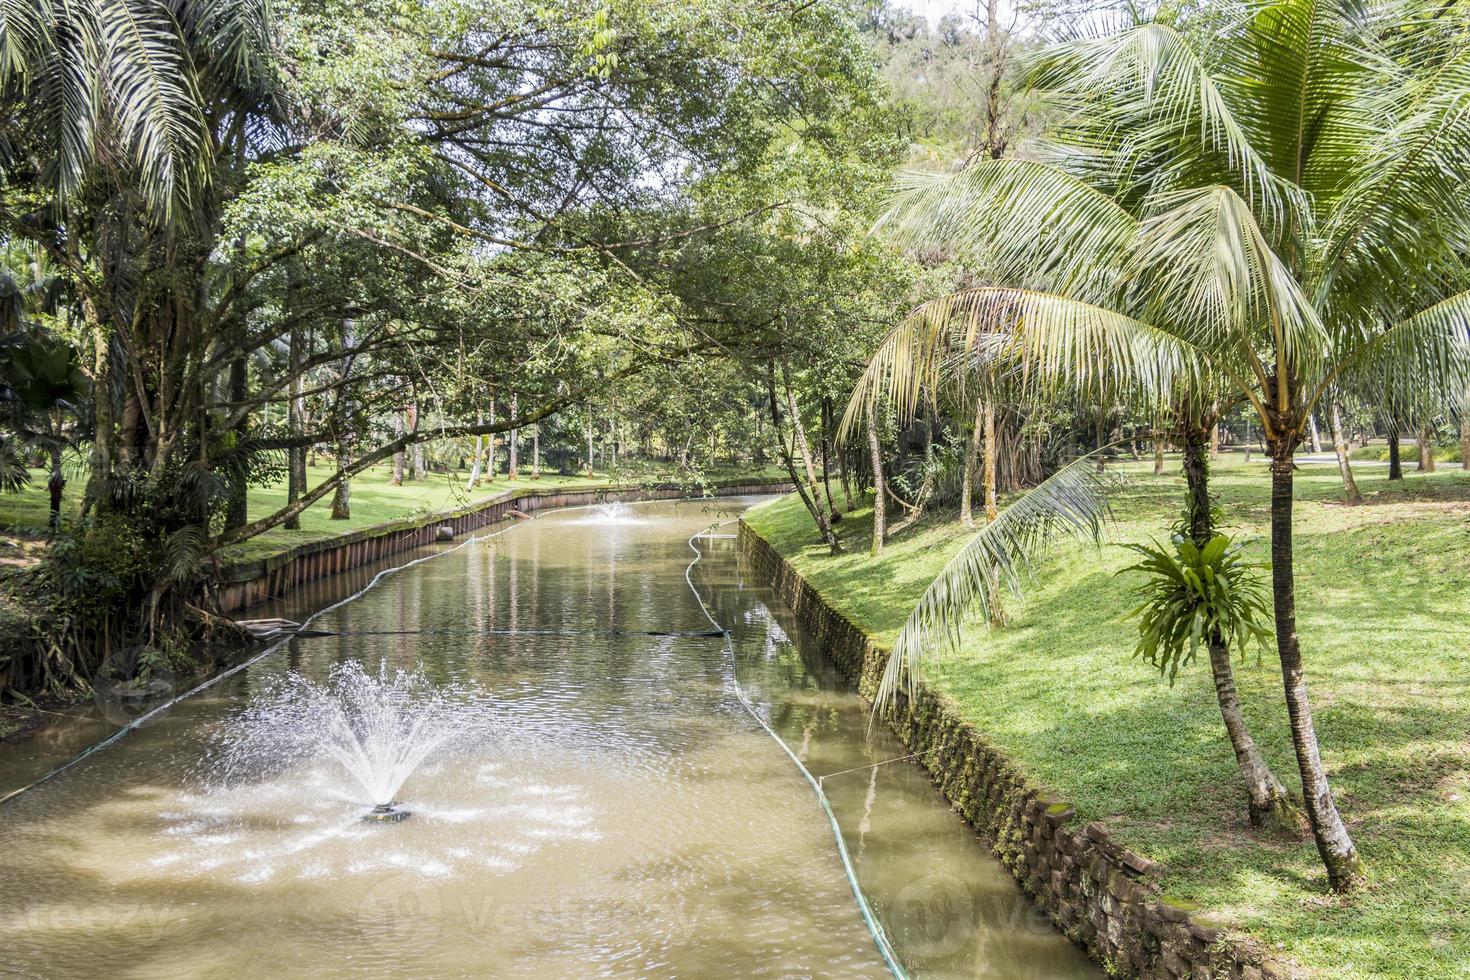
[(1099, 894), (241, 584)]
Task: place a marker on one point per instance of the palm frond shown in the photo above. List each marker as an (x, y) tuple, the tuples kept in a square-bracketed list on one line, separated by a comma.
[(1403, 207), (1417, 368), (1018, 221), (1146, 90), (1215, 276), (1072, 503), (1042, 339), (151, 96), (23, 38)]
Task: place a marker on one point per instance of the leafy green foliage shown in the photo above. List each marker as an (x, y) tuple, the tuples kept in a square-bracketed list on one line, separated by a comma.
[(1196, 597)]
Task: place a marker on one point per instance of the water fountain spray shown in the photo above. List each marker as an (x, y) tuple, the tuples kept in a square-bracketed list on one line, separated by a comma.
[(376, 728)]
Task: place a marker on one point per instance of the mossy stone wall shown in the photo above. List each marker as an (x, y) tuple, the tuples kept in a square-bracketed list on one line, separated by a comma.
[(1098, 893)]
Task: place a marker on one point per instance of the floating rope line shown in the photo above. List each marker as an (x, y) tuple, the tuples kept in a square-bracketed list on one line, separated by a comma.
[(309, 634), (875, 928), (873, 765)]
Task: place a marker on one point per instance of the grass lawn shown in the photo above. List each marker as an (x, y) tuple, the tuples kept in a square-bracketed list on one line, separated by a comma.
[(374, 500), (1383, 591)]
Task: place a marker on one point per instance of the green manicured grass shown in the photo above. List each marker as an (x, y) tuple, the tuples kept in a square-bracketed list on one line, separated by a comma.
[(1383, 591), (374, 500)]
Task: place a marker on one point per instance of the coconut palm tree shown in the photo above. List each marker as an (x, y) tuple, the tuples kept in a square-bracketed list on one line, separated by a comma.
[(124, 85), (964, 215), (1289, 201)]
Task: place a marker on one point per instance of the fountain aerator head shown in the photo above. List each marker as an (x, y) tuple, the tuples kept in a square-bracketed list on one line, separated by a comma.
[(385, 813)]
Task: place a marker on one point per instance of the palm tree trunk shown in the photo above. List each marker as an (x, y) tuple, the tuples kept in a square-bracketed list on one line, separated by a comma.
[(880, 490), (1215, 441), (1395, 459), (1334, 844), (1267, 802), (1426, 449), (977, 433), (1339, 446), (1158, 454), (1316, 436), (1197, 479)]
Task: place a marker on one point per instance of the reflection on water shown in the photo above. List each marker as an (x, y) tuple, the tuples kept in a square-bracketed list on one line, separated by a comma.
[(624, 817)]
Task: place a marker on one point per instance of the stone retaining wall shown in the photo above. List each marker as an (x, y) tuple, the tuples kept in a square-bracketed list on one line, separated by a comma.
[(1098, 893), (242, 584)]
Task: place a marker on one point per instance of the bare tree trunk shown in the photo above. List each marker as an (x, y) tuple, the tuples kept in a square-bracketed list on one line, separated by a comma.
[(399, 458), (1426, 449), (536, 453), (479, 455), (295, 409), (589, 443), (880, 490), (1158, 454), (55, 485), (987, 470), (977, 434), (104, 430), (798, 432), (826, 449), (1339, 855), (1395, 457), (515, 437), (411, 423), (421, 471), (842, 468), (1465, 440), (1339, 446), (239, 511), (342, 496), (810, 500), (490, 446)]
